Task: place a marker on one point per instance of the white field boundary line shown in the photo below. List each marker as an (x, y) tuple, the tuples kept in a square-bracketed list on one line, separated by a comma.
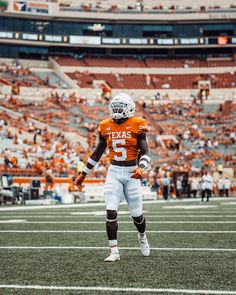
[(114, 289), (120, 222), (124, 231), (229, 203), (107, 248), (102, 204), (120, 216), (188, 211), (42, 207), (161, 212)]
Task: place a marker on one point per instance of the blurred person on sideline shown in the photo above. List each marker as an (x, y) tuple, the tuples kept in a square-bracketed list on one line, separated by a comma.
[(227, 186), (207, 186), (78, 195), (165, 186), (220, 186), (194, 185), (179, 189), (49, 180)]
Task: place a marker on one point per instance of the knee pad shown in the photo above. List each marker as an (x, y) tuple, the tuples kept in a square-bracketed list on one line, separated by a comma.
[(111, 215), (139, 219), (136, 211)]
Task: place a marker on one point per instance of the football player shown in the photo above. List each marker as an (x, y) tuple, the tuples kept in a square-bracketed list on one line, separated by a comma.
[(125, 137)]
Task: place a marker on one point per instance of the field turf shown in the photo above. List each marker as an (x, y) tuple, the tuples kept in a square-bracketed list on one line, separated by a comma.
[(61, 251)]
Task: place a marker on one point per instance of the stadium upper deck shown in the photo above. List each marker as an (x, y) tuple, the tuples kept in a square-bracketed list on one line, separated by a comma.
[(110, 9), (40, 28)]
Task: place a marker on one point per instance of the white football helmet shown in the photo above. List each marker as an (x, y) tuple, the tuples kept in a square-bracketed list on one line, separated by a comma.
[(121, 106)]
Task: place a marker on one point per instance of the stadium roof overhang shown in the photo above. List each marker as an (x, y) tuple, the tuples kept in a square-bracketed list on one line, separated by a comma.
[(129, 17)]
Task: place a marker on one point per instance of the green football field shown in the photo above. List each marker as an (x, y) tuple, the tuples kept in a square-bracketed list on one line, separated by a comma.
[(61, 251)]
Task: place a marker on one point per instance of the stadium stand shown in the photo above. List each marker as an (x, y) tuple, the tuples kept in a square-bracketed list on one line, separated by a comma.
[(150, 62), (14, 74), (135, 81), (192, 135), (147, 5), (180, 68)]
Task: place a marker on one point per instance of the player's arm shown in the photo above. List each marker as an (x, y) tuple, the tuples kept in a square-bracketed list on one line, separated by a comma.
[(145, 159), (92, 161)]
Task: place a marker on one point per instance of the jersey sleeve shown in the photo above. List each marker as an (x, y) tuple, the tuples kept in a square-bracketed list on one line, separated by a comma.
[(142, 126), (99, 128), (102, 127)]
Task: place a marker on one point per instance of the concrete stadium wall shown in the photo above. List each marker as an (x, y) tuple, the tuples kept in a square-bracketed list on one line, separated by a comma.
[(39, 94)]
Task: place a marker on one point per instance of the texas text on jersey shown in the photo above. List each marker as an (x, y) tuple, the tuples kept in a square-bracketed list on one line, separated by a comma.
[(122, 139)]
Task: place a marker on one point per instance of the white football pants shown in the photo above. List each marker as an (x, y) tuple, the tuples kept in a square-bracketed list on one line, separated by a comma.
[(120, 185)]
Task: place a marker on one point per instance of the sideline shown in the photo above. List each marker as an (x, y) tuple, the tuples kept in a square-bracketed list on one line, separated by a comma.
[(107, 248), (120, 222), (121, 217), (124, 231), (112, 289), (61, 206)]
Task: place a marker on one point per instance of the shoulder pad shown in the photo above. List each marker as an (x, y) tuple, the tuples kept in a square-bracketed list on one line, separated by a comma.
[(102, 124), (142, 124)]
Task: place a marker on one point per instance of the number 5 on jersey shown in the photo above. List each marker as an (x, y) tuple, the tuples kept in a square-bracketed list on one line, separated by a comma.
[(119, 147)]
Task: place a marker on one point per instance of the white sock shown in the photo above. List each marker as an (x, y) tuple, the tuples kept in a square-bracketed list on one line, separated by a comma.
[(142, 235), (114, 246)]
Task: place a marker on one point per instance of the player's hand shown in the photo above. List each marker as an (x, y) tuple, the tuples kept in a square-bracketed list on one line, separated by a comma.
[(79, 181), (137, 173)]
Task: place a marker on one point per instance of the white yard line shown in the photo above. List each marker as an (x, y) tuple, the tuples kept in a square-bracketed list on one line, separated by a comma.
[(124, 231), (120, 216), (185, 216), (62, 206), (121, 248), (190, 212), (42, 207), (14, 221), (146, 212), (124, 222), (114, 289), (188, 207), (161, 212), (228, 203)]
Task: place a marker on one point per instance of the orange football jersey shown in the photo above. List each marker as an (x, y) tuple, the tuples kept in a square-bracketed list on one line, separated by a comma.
[(122, 139)]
